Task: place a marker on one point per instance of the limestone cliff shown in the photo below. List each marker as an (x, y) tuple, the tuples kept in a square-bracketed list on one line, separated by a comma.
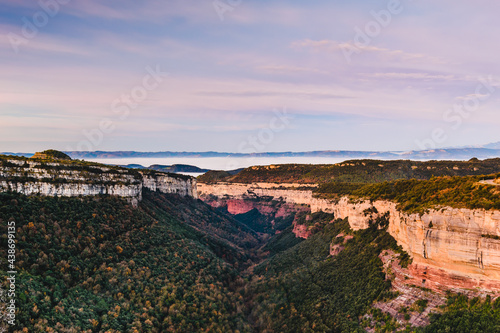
[(76, 178), (166, 183), (285, 192), (72, 189), (460, 241), (462, 244)]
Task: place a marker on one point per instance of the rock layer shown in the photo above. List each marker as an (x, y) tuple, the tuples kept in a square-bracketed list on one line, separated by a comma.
[(452, 245), (73, 179), (166, 183)]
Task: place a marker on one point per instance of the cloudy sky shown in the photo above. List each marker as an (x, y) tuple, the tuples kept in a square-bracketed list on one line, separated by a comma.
[(359, 75)]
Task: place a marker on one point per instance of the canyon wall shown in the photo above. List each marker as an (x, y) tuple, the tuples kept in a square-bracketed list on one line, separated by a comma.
[(284, 192), (70, 179), (462, 244), (165, 183), (72, 189)]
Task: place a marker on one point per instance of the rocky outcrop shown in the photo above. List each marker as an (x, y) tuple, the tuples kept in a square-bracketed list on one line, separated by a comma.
[(409, 290), (449, 244), (72, 189), (336, 248), (460, 241), (301, 231), (165, 183), (244, 191), (74, 178)]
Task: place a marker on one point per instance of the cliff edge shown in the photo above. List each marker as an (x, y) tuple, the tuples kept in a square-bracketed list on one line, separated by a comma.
[(69, 178)]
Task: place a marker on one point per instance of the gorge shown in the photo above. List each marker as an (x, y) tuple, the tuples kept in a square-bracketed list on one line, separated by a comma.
[(269, 255), (450, 247)]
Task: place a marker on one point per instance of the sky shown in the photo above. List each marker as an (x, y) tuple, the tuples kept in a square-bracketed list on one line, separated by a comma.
[(248, 76)]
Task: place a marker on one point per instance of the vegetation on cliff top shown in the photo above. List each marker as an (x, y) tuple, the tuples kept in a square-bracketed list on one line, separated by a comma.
[(214, 176), (356, 171), (415, 186), (418, 195), (91, 171)]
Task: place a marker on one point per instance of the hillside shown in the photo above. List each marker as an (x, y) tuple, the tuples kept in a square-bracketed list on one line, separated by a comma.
[(51, 154), (356, 171), (97, 264)]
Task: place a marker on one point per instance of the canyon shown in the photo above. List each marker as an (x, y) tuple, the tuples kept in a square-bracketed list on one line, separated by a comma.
[(450, 247)]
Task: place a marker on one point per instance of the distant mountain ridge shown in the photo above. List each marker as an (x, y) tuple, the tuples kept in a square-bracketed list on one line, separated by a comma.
[(175, 168), (490, 150), (438, 154), (494, 145)]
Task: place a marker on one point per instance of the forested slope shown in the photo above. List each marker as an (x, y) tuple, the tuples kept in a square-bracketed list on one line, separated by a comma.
[(97, 264)]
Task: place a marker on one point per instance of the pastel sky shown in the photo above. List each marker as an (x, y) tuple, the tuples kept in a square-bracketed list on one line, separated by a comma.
[(349, 75)]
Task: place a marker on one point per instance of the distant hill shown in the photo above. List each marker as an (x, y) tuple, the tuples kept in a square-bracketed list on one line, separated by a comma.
[(175, 168), (17, 154), (490, 150), (494, 145), (133, 166), (51, 154)]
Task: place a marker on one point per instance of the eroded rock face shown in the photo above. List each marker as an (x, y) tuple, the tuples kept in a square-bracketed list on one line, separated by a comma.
[(167, 184), (245, 191), (449, 238), (72, 189), (410, 290), (301, 231), (456, 246), (70, 180)]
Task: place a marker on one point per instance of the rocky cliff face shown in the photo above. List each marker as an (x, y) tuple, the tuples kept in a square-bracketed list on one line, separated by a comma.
[(73, 189), (164, 183), (463, 245), (245, 191), (72, 179), (462, 242)]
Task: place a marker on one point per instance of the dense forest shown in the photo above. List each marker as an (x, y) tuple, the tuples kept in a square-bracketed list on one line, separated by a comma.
[(174, 264), (418, 195), (304, 289), (355, 171), (97, 264)]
